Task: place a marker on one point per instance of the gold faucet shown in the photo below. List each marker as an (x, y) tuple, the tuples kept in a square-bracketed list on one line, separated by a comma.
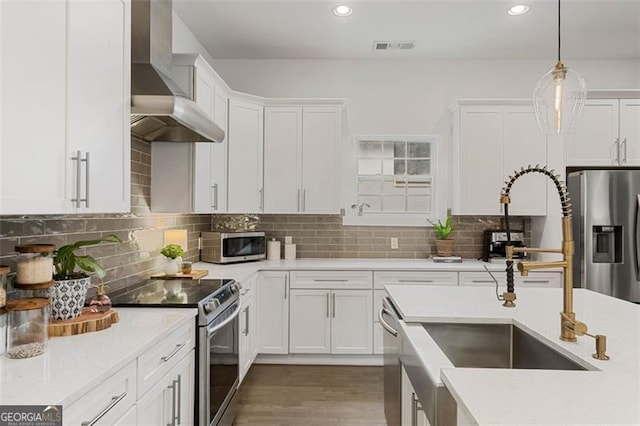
[(570, 327)]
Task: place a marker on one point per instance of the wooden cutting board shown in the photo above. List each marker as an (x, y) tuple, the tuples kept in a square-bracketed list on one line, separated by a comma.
[(87, 322), (195, 274)]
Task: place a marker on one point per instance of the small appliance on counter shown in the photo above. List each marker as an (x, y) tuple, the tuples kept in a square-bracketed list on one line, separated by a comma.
[(230, 247), (494, 243)]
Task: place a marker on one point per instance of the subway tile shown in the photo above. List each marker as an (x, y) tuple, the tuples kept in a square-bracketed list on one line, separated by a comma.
[(21, 227)]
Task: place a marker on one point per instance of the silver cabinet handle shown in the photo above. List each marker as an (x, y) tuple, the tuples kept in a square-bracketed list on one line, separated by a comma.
[(415, 281), (536, 281), (114, 401), (246, 321), (286, 285), (299, 207), (215, 196), (414, 410), (261, 199), (173, 403), (78, 159), (384, 324), (179, 399), (327, 305), (87, 187), (333, 295), (304, 199), (617, 144), (482, 281), (329, 280), (173, 353), (624, 157)]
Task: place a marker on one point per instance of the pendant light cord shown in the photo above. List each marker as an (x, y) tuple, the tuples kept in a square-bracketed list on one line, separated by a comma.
[(558, 30)]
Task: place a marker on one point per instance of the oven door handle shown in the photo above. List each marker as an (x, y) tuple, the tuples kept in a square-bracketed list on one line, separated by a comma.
[(217, 327)]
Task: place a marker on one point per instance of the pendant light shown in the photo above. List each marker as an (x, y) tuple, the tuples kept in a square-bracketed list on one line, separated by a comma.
[(559, 96)]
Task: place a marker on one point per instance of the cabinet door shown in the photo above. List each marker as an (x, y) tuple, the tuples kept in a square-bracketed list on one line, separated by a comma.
[(630, 131), (352, 323), (98, 101), (246, 332), (33, 87), (282, 159), (524, 145), (310, 324), (595, 141), (245, 157), (321, 133), (273, 312), (184, 385), (481, 160), (219, 155)]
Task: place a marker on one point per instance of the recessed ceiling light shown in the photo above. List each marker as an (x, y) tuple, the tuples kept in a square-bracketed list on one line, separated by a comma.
[(518, 9), (342, 10)]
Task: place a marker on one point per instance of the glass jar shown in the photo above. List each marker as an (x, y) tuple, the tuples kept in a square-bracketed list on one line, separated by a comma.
[(27, 321), (34, 264), (4, 271)]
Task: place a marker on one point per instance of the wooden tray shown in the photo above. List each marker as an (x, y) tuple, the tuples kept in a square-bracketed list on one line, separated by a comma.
[(195, 274), (87, 322)]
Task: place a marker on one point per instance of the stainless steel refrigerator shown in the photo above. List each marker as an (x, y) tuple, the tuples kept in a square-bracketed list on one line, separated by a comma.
[(606, 215)]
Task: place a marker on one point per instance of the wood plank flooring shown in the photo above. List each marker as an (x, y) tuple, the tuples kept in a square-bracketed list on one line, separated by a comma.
[(292, 395)]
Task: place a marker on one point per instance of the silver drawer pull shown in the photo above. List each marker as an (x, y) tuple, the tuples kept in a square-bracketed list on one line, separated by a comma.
[(482, 281), (415, 281), (536, 281), (114, 401), (384, 324), (329, 280), (173, 353)]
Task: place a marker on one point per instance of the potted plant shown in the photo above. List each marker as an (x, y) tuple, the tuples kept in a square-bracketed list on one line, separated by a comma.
[(444, 244), (68, 295), (173, 255)]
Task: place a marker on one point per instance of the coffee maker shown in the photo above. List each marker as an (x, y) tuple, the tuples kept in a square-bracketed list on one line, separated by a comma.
[(494, 243)]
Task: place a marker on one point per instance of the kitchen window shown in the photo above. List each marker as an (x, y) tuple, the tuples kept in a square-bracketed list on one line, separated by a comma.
[(395, 179)]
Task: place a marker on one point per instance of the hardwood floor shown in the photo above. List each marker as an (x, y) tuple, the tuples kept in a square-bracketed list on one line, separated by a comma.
[(288, 395)]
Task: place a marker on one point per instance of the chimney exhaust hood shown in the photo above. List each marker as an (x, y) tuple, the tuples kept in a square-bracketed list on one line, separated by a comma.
[(160, 110)]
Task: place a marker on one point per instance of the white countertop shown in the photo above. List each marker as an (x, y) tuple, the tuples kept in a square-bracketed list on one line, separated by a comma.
[(240, 271), (73, 365), (609, 394)]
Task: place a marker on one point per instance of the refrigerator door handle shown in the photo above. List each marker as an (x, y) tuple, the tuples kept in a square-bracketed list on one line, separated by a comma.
[(636, 244)]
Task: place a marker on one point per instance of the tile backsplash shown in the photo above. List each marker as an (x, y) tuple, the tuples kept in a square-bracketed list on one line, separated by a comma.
[(141, 230)]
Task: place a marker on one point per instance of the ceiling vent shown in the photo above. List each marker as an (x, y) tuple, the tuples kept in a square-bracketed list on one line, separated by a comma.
[(394, 45)]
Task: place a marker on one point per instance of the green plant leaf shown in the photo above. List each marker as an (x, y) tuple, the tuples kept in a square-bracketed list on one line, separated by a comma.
[(65, 260)]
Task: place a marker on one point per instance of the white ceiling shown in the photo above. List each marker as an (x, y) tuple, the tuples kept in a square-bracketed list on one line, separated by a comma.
[(453, 29)]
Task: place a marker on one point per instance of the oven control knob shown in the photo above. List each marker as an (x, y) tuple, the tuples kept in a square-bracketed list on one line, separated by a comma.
[(211, 306)]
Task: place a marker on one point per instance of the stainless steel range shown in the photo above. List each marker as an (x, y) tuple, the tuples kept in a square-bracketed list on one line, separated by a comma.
[(217, 301)]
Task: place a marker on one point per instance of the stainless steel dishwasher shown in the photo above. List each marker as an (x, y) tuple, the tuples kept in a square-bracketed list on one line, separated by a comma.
[(392, 369)]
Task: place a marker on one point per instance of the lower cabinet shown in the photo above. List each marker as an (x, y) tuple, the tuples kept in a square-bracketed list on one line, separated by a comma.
[(171, 400), (248, 340), (331, 321), (411, 412), (534, 279), (272, 297)]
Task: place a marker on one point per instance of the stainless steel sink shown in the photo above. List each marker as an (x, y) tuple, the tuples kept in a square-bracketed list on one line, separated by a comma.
[(496, 346)]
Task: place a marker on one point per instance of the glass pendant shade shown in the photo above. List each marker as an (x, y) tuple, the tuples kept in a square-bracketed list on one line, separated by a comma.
[(558, 100)]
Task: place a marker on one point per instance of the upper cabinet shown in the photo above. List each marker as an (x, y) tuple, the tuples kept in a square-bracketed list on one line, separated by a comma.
[(608, 133), (192, 177), (300, 159), (492, 140), (65, 107), (245, 137)]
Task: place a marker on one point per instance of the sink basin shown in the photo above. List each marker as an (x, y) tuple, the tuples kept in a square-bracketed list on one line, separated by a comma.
[(496, 346)]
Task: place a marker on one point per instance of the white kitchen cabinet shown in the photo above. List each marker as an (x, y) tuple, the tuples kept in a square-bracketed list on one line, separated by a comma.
[(248, 341), (541, 279), (301, 166), (490, 142), (331, 312), (272, 298), (411, 411), (192, 177), (81, 101), (245, 135), (608, 133), (171, 400)]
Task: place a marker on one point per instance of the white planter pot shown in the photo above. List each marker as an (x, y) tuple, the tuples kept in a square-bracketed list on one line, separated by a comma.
[(67, 298), (172, 266)]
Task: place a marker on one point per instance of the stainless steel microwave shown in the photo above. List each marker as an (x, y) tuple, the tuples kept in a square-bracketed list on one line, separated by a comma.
[(229, 247)]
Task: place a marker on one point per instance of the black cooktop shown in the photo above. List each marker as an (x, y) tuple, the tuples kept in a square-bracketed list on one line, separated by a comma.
[(167, 293)]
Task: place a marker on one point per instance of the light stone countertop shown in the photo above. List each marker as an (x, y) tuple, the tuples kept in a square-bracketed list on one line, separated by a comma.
[(73, 365), (608, 394)]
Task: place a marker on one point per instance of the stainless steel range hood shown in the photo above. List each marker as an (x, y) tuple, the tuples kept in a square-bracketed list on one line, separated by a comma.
[(160, 110)]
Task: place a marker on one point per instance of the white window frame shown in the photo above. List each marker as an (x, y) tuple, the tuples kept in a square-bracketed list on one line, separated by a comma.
[(439, 186)]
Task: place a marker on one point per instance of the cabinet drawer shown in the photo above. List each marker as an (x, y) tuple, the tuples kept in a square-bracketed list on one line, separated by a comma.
[(535, 279), (332, 279), (380, 279), (160, 359), (106, 402)]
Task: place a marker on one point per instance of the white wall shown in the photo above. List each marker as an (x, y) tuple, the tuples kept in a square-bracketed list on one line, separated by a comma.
[(185, 42), (408, 96)]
